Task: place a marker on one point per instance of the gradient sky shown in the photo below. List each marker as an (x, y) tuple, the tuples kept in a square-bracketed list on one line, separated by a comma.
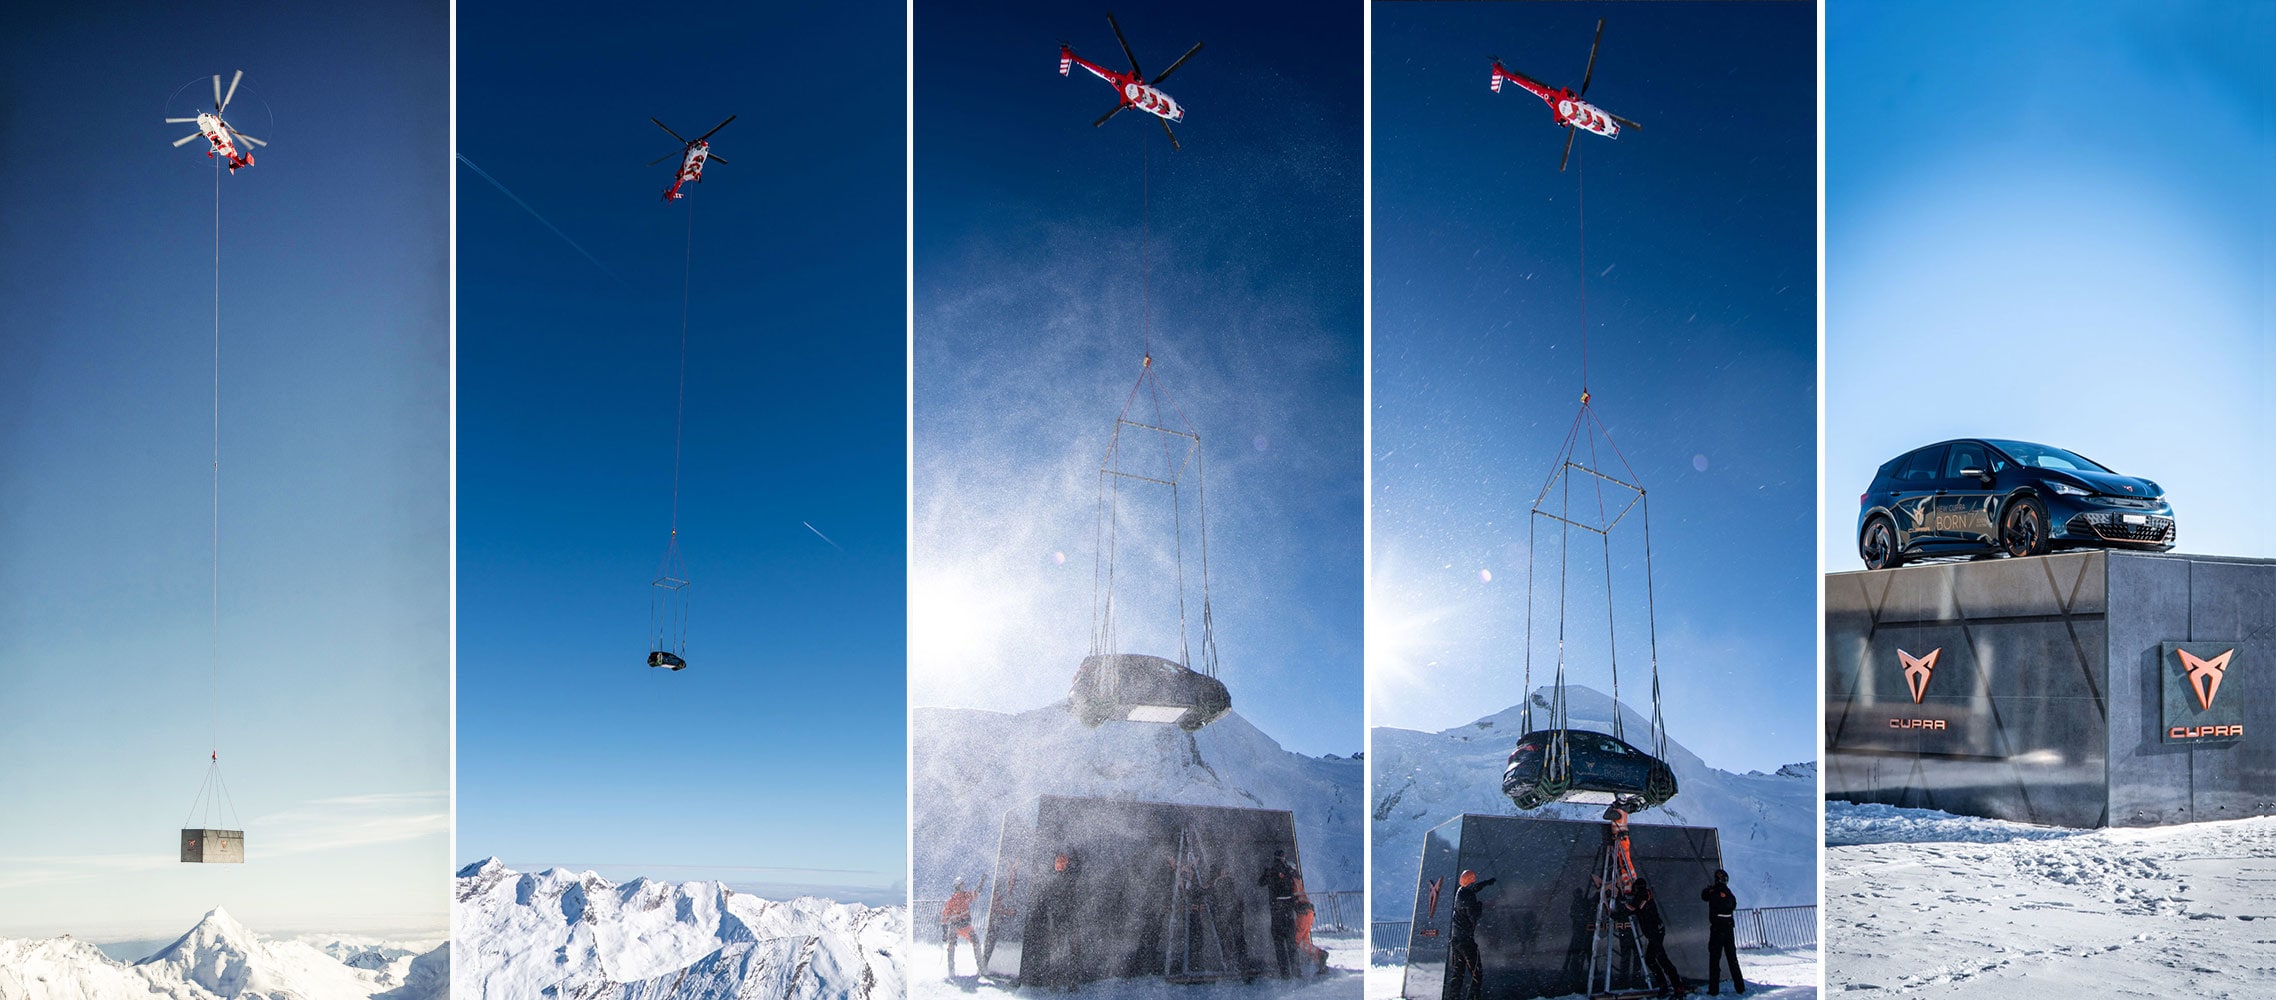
[(776, 761), (1700, 270), (2055, 229), (333, 693), (1031, 285)]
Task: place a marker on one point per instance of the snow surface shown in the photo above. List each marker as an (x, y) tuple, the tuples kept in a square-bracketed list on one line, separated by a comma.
[(1923, 903), (929, 980), (972, 765), (559, 934), (1767, 822), (219, 959), (1771, 975)]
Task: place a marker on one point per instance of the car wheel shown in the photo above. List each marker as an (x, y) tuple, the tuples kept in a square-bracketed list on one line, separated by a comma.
[(1879, 546), (2023, 528)]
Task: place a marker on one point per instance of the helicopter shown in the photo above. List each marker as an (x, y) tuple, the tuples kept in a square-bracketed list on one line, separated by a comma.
[(692, 157), (216, 130), (1132, 89), (1566, 105)]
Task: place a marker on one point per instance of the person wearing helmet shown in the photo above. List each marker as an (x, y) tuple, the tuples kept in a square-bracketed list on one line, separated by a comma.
[(1465, 974), (1722, 942), (1279, 882), (956, 922), (1644, 914)]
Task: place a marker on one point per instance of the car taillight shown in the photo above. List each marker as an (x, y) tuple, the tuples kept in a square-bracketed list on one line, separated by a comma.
[(1861, 498)]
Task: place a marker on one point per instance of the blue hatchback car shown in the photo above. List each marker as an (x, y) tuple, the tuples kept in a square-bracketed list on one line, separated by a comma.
[(1977, 496)]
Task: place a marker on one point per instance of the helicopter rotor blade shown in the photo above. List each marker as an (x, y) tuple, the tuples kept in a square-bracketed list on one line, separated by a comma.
[(194, 135), (232, 95), (1181, 61), (1571, 133), (1134, 70), (180, 121), (1591, 73), (1166, 131), (217, 92), (1624, 123), (714, 129), (662, 158), (247, 138), (1102, 118), (716, 158), (668, 131)]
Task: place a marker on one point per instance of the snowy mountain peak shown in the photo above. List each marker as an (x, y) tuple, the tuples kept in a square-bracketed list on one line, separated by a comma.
[(219, 959)]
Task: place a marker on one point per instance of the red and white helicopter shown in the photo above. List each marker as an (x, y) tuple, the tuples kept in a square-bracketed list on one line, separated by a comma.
[(216, 131), (1566, 105), (1132, 89), (692, 157)]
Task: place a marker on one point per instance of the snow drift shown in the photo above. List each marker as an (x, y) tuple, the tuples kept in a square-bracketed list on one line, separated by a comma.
[(972, 765), (219, 959), (561, 934), (1767, 822)]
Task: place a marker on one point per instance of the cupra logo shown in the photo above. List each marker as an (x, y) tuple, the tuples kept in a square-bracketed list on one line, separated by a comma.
[(2205, 675), (1917, 669)]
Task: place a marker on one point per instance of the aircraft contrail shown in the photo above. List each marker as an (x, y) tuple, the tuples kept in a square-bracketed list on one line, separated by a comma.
[(818, 534), (533, 214)]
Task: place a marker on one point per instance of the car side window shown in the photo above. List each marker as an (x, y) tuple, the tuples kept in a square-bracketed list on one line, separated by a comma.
[(1922, 466), (1965, 455)]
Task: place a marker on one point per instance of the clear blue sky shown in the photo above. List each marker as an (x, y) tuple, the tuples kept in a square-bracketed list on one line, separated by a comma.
[(334, 680), (782, 746), (1701, 266), (2056, 229), (1030, 295)]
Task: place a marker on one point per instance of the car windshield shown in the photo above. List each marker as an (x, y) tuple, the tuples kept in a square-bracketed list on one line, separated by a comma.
[(2039, 456)]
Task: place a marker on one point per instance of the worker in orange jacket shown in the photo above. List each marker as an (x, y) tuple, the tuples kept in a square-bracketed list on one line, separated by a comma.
[(956, 922)]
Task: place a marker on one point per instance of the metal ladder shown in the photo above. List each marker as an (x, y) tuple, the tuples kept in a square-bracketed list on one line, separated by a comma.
[(1614, 873), (1180, 963)]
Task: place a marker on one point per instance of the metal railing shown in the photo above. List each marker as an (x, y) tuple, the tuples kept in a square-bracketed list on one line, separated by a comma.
[(1776, 927), (1389, 933)]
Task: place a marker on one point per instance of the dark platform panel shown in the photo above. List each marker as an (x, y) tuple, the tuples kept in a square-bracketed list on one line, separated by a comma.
[(1533, 938), (2049, 689), (1106, 919)]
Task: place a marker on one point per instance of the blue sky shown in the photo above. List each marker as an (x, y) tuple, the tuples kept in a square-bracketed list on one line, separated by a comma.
[(1032, 275), (2056, 230), (1700, 309), (776, 760), (333, 687)]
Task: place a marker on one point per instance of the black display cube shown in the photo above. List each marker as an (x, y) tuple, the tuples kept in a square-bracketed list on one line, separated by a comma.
[(1107, 916), (2079, 689), (1535, 934)]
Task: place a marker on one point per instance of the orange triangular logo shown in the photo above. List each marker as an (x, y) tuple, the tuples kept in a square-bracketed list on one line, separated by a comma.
[(1917, 669), (2205, 675)]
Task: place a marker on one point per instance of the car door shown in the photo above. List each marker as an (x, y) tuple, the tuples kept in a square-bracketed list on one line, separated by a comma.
[(1963, 504), (1910, 492)]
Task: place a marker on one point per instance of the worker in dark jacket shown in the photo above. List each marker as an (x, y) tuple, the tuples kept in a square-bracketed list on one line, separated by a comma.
[(1279, 882), (956, 922), (1465, 975), (1722, 942), (1644, 912)]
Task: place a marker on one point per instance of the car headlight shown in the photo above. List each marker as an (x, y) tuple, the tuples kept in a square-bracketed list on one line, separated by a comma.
[(2068, 490)]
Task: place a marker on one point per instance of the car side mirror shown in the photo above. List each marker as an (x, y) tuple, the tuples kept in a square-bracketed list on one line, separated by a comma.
[(1976, 474)]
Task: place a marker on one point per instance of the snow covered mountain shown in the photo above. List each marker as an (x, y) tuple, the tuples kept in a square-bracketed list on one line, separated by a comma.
[(1768, 822), (972, 765), (219, 959), (559, 934)]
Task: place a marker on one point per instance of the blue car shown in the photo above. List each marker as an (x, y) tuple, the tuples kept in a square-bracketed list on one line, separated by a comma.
[(1985, 496)]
